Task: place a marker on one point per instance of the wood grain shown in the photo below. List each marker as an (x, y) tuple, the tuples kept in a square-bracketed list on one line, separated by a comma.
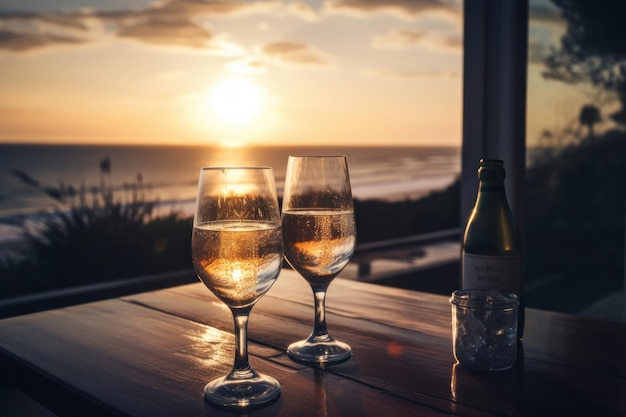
[(152, 353)]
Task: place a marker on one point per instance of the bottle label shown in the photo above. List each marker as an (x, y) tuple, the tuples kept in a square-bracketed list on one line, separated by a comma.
[(492, 272)]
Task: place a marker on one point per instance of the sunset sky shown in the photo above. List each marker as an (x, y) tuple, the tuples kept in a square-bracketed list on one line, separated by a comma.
[(383, 72)]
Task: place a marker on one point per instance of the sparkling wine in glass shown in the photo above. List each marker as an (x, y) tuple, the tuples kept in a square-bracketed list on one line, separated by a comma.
[(319, 235), (237, 252)]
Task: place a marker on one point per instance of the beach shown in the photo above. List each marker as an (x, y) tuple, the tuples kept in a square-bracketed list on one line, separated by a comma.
[(169, 174)]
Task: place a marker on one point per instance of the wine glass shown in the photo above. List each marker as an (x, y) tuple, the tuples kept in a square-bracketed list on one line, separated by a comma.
[(319, 236), (237, 252)]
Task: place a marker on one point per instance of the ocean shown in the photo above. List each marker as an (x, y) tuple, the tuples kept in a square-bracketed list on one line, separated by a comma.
[(170, 173)]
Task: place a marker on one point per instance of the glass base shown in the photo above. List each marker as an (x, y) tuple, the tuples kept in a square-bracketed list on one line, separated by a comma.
[(322, 352), (243, 393)]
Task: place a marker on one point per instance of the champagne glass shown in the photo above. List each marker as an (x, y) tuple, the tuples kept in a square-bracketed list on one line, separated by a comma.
[(237, 252), (319, 236)]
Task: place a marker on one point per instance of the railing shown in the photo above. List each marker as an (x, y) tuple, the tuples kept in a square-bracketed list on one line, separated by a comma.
[(365, 248), (62, 297), (364, 255)]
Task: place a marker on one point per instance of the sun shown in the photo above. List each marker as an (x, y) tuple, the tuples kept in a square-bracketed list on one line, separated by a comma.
[(235, 101), (233, 111)]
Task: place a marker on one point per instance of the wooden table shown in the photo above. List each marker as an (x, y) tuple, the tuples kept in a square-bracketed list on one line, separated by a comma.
[(151, 354)]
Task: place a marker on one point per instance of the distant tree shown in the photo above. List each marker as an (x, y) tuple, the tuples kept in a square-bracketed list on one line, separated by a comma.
[(593, 48), (546, 138), (589, 115)]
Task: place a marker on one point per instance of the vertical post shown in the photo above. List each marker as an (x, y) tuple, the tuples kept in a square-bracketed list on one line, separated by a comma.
[(474, 73), (494, 96), (624, 289)]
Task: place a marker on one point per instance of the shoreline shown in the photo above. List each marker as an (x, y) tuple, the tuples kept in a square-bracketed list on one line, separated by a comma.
[(377, 218)]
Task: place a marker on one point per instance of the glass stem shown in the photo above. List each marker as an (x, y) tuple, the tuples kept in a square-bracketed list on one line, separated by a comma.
[(241, 367), (320, 333)]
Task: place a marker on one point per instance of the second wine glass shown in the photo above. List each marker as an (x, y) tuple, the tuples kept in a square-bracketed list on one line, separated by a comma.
[(319, 235)]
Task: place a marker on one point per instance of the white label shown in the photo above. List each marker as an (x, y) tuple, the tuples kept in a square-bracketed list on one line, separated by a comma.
[(492, 272)]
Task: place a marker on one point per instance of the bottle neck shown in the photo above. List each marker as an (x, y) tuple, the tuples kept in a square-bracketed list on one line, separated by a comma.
[(492, 193), (491, 186)]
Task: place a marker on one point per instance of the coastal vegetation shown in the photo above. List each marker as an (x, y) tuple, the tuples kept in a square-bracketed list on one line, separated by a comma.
[(576, 214), (575, 222), (95, 235)]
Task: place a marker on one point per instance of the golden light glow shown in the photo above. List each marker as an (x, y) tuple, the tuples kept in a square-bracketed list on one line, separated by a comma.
[(232, 143), (236, 190), (235, 100), (208, 346), (237, 184), (395, 348), (237, 275)]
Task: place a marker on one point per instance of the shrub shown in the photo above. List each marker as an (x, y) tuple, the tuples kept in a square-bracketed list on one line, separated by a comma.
[(93, 236)]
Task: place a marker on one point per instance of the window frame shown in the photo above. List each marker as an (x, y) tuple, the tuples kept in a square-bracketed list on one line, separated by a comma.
[(495, 60)]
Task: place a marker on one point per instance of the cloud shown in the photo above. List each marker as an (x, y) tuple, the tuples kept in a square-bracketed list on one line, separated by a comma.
[(411, 74), (449, 43), (164, 31), (401, 8), (302, 10), (411, 37), (537, 52), (24, 42), (542, 14), (209, 7), (170, 22), (400, 38), (295, 53), (69, 20), (547, 26), (248, 65), (183, 24), (180, 32), (280, 52)]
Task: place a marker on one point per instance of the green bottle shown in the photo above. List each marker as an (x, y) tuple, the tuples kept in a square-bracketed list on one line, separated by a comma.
[(492, 246)]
